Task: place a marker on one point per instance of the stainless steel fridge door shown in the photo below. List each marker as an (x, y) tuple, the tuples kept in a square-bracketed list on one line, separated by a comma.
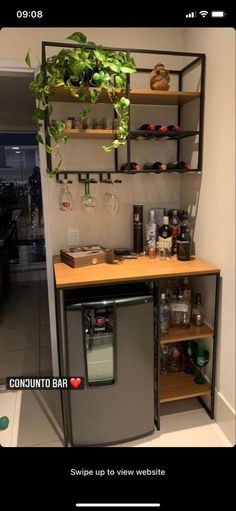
[(120, 407)]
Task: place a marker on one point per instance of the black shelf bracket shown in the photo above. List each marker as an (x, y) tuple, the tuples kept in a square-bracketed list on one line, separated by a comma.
[(86, 179), (58, 180), (108, 179)]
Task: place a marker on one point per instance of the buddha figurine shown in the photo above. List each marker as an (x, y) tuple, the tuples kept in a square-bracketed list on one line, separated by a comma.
[(160, 79)]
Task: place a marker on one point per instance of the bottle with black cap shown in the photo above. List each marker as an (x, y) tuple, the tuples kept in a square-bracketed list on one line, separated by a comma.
[(138, 227)]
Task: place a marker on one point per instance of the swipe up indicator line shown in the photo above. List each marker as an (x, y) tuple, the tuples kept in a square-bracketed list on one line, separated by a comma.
[(118, 505)]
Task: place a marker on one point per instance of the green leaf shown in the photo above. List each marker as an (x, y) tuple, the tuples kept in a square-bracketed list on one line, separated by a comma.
[(49, 149), (100, 55), (39, 113), (127, 68), (94, 95), (39, 139), (60, 126), (78, 37), (27, 59), (114, 67), (119, 82), (107, 149), (124, 103)]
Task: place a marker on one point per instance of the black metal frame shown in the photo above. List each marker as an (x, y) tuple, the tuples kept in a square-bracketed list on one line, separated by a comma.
[(210, 410), (199, 59)]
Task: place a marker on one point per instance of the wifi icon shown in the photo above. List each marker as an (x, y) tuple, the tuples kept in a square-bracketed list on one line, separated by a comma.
[(203, 13)]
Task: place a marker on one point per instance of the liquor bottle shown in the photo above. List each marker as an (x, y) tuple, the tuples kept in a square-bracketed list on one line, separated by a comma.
[(151, 229), (180, 166), (174, 359), (180, 312), (174, 127), (184, 244), (138, 227), (198, 311), (175, 225), (132, 166), (164, 315), (66, 198), (187, 291), (165, 236), (161, 128)]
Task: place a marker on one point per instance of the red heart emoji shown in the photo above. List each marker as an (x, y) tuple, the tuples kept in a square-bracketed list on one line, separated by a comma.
[(75, 382)]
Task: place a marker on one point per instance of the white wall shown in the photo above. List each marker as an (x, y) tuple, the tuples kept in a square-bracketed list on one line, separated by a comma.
[(215, 232)]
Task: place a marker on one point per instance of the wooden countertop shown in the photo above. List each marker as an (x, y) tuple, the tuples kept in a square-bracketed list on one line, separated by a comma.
[(127, 270)]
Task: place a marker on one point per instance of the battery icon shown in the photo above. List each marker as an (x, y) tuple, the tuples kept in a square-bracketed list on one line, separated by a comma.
[(218, 14)]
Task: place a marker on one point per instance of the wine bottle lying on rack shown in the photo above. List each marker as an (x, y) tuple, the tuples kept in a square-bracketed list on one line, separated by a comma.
[(157, 166), (132, 166), (178, 165)]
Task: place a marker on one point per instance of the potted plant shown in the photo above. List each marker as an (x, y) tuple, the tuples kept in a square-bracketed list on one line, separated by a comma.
[(85, 71)]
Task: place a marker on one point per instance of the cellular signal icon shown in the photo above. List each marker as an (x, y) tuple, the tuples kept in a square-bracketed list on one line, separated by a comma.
[(191, 15), (203, 13)]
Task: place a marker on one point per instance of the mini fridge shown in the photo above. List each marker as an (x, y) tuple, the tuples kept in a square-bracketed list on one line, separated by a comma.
[(109, 338)]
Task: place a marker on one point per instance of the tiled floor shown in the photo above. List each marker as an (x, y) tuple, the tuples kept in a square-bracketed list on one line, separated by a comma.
[(188, 428), (24, 330)]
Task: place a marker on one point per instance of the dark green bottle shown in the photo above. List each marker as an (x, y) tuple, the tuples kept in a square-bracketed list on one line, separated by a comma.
[(184, 243)]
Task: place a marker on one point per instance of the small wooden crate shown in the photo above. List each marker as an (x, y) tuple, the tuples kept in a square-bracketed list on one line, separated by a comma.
[(85, 256)]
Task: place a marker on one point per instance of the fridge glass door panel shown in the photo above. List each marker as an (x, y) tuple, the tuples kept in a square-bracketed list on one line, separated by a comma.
[(99, 343)]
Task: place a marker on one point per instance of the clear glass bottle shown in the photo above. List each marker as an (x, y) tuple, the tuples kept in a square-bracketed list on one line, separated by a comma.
[(187, 291), (165, 238), (164, 315), (66, 198), (174, 359), (198, 311), (180, 312), (151, 230)]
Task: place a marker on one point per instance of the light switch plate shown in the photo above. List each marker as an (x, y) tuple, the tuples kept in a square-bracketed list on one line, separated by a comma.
[(73, 237)]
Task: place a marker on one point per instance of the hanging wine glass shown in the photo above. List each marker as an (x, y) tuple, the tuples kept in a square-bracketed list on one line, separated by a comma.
[(201, 360), (88, 203), (111, 202)]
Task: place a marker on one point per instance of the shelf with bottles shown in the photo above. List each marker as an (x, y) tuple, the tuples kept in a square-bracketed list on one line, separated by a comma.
[(179, 385), (157, 167), (157, 135)]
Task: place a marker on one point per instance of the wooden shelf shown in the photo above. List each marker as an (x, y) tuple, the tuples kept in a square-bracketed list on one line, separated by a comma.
[(79, 133), (137, 96), (187, 334), (176, 386), (162, 97)]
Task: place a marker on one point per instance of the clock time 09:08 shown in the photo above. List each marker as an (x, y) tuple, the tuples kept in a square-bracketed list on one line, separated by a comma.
[(29, 14)]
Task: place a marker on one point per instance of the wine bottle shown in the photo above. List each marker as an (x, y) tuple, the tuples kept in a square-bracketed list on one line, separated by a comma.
[(165, 236), (158, 165), (184, 244), (161, 128), (138, 227), (132, 166)]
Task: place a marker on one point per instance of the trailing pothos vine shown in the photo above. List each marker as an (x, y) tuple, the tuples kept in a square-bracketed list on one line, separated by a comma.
[(85, 72)]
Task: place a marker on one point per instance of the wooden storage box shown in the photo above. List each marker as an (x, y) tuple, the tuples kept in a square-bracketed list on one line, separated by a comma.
[(85, 256)]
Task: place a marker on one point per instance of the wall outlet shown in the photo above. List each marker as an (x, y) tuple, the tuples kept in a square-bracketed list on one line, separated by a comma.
[(73, 237)]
